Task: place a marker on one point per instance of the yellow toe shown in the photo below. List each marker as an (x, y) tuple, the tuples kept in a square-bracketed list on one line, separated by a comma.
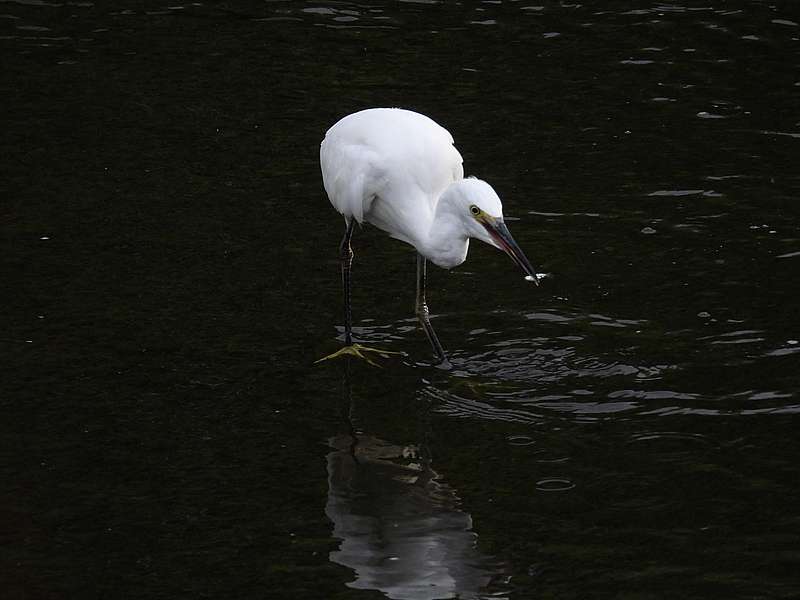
[(361, 352)]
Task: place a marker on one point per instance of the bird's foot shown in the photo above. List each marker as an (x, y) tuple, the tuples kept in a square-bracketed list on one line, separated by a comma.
[(362, 352), (443, 364)]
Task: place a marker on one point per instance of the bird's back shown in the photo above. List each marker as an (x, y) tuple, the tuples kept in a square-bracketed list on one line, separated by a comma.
[(388, 166)]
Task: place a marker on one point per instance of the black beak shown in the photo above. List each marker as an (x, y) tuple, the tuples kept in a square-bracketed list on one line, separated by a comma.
[(500, 233)]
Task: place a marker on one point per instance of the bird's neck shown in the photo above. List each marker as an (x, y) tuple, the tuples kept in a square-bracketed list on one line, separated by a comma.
[(447, 243)]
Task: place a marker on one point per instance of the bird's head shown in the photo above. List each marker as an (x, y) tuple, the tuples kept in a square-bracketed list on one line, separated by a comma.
[(480, 212)]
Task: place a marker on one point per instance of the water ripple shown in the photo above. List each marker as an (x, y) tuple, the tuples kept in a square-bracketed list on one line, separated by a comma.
[(459, 406), (554, 484)]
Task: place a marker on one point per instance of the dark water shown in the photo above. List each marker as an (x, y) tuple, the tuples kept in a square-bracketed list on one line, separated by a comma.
[(170, 274)]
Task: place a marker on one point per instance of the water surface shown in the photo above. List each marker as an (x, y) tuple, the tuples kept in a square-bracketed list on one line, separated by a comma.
[(169, 261)]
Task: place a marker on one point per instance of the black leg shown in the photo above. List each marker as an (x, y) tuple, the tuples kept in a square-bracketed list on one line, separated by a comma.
[(422, 309), (346, 256), (351, 349)]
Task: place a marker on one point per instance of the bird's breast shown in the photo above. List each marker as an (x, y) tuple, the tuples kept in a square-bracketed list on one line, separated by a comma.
[(449, 254)]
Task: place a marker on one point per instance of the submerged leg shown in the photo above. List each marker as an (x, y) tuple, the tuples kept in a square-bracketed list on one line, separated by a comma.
[(351, 349), (422, 309)]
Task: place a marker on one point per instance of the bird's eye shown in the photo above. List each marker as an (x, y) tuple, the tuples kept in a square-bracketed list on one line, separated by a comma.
[(474, 210)]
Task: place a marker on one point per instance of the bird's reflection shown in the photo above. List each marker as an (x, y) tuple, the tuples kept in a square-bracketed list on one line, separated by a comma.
[(400, 527)]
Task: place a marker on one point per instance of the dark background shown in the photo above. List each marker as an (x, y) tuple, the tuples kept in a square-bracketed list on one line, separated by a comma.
[(169, 276)]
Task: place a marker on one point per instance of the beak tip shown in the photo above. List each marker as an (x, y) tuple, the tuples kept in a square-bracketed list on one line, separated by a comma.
[(532, 278), (502, 239)]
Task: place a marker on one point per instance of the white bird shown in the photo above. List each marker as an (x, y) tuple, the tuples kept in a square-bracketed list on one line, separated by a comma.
[(399, 171)]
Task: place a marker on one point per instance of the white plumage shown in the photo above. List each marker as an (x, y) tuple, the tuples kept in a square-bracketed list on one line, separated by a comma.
[(399, 171), (391, 168), (398, 155)]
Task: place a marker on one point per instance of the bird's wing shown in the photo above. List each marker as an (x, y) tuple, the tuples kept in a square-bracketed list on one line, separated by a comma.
[(396, 155), (352, 175)]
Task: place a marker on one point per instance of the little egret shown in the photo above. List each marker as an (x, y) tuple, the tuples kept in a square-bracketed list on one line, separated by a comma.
[(399, 171)]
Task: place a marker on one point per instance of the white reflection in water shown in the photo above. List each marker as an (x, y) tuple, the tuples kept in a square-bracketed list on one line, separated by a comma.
[(400, 527)]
